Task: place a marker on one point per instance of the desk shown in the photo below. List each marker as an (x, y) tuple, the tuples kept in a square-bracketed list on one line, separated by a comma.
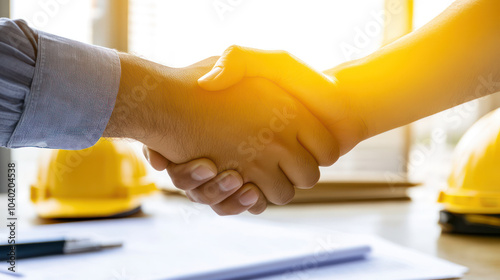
[(410, 224)]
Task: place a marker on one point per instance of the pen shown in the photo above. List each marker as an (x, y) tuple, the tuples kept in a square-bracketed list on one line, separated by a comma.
[(288, 265), (53, 247)]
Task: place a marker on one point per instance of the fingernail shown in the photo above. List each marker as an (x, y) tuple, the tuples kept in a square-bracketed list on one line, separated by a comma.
[(212, 74), (248, 198), (229, 182), (201, 173)]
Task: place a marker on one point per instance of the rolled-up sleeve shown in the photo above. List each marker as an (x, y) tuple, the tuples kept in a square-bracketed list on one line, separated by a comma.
[(54, 92)]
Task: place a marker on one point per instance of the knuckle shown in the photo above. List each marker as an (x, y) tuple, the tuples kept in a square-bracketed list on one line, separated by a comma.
[(330, 155), (203, 200), (221, 211), (258, 208), (209, 195), (288, 196), (285, 193), (309, 174), (233, 50), (304, 160), (180, 182), (190, 197), (285, 55), (312, 177)]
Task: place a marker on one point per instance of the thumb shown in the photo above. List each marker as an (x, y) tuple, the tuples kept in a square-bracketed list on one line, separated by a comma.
[(229, 70)]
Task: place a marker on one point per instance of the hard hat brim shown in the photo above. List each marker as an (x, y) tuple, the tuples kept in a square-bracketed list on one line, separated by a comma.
[(61, 208), (465, 202), (480, 224)]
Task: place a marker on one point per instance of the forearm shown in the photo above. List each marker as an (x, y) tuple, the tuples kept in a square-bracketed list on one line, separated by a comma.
[(443, 64), (140, 84)]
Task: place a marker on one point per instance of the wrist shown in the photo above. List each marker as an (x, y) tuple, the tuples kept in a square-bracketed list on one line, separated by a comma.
[(361, 92), (136, 103), (348, 110)]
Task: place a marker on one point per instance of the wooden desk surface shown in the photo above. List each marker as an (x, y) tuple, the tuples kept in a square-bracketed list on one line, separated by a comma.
[(410, 224)]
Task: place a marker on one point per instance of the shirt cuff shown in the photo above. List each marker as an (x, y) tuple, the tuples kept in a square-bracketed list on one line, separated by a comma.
[(72, 95)]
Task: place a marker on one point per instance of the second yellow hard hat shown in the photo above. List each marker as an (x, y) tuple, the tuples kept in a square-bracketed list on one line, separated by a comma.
[(472, 198)]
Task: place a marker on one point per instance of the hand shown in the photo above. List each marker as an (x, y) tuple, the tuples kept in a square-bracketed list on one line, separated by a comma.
[(199, 179), (254, 128), (340, 112), (337, 111)]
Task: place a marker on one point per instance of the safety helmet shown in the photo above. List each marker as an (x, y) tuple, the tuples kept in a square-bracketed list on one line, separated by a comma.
[(472, 199), (106, 180)]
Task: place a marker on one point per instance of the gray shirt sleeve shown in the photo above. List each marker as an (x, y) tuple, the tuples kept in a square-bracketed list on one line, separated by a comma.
[(54, 92)]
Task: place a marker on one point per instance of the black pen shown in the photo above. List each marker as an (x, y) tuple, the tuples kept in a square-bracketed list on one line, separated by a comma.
[(41, 248)]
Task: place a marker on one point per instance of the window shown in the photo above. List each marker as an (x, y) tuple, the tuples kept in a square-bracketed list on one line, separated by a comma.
[(179, 33), (70, 19)]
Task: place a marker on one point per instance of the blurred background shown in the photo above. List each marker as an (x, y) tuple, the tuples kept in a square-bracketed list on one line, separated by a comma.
[(323, 33)]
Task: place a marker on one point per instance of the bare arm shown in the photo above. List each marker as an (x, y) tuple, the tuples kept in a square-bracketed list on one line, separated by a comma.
[(443, 64)]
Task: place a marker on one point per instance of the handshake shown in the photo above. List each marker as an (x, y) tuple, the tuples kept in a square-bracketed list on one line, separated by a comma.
[(257, 124), (252, 129)]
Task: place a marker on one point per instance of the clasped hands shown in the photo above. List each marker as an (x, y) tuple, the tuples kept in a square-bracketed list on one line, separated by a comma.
[(258, 125)]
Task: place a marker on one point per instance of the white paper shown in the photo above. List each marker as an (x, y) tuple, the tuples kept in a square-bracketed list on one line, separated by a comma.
[(387, 262), (162, 249)]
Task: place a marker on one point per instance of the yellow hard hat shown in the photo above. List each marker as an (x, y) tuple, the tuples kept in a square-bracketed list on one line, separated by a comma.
[(473, 194), (105, 180)]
